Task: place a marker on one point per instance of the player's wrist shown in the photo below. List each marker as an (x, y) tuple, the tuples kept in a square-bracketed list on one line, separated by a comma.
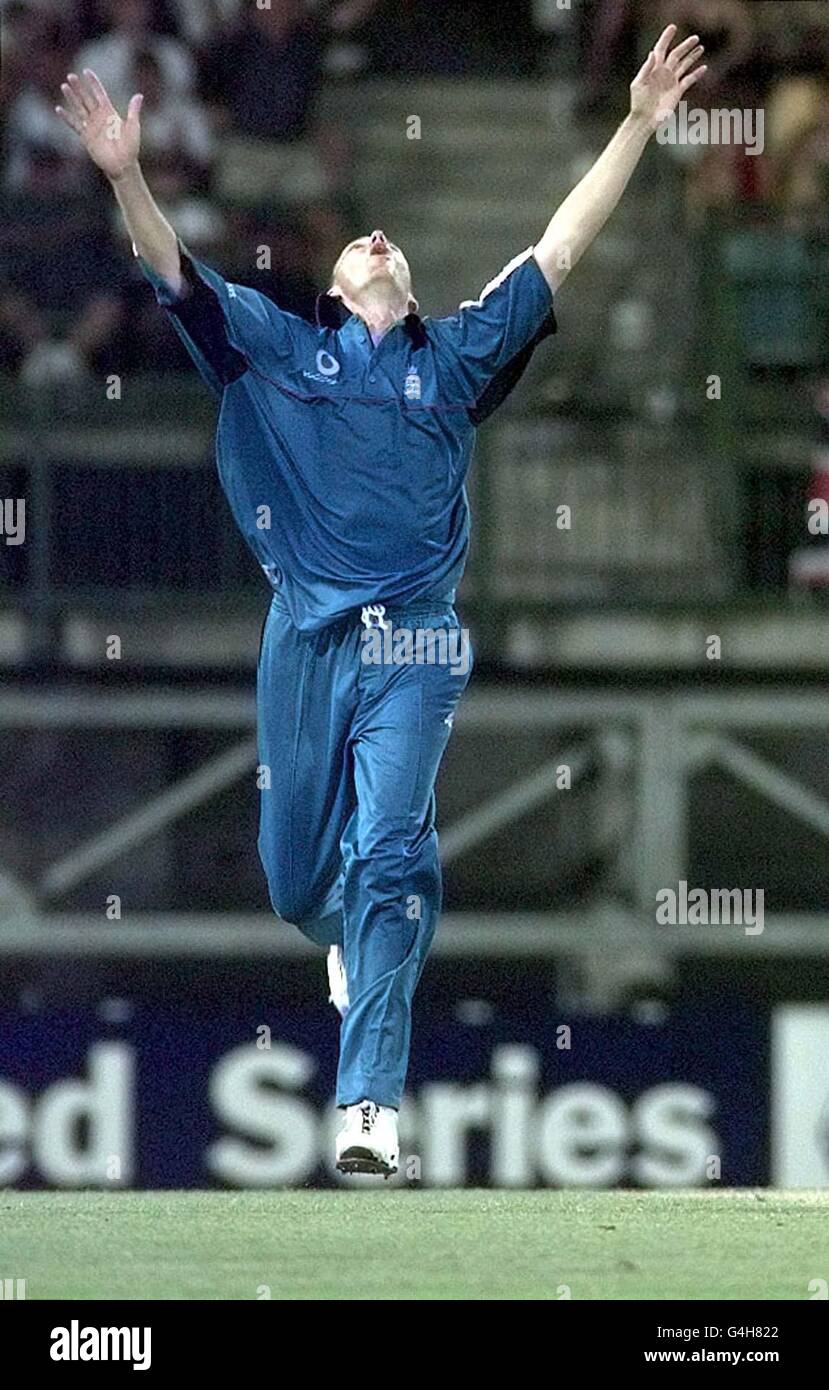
[(130, 173), (640, 123)]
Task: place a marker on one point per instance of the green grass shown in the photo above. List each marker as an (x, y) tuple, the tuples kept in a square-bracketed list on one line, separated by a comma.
[(415, 1244)]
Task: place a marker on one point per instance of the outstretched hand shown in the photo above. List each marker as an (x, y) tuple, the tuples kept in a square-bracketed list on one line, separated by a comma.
[(110, 142), (665, 76)]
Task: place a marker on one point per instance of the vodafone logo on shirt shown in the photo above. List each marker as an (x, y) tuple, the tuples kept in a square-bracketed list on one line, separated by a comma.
[(328, 368)]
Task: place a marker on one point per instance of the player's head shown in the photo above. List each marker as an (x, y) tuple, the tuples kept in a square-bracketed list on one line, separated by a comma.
[(373, 269)]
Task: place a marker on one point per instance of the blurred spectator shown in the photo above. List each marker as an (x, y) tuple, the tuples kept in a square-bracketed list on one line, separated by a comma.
[(198, 20), (266, 70), (21, 22), (113, 56), (802, 167), (94, 20), (796, 115), (60, 277), (348, 15), (809, 563), (264, 73), (170, 122), (794, 37), (784, 76), (347, 52), (32, 126), (275, 255), (617, 35)]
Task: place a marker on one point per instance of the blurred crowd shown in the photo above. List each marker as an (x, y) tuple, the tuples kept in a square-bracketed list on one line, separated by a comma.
[(232, 143), (239, 155), (762, 55), (232, 146), (773, 58)]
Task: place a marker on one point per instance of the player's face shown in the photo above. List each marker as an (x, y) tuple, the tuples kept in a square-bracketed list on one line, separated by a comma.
[(371, 261)]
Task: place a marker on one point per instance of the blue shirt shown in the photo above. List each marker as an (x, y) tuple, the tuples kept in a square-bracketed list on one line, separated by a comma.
[(344, 462)]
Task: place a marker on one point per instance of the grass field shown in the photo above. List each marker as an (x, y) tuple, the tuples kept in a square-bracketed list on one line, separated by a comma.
[(415, 1244)]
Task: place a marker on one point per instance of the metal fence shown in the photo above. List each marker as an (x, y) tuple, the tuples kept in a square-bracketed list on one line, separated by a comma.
[(644, 754), (123, 508)]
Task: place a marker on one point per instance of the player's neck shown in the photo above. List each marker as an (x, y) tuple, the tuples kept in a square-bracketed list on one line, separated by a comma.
[(378, 312)]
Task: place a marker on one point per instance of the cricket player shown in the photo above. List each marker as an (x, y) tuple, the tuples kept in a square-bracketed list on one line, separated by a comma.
[(343, 449)]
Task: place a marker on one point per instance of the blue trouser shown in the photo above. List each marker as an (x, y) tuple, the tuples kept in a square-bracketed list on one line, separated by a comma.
[(352, 746)]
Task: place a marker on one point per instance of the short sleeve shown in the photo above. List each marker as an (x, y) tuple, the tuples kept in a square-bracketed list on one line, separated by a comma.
[(487, 345), (225, 327)]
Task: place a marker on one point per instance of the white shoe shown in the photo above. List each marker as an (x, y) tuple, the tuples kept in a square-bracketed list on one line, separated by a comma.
[(337, 983), (367, 1142)]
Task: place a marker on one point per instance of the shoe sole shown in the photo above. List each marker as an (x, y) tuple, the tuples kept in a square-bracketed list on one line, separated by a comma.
[(357, 1160)]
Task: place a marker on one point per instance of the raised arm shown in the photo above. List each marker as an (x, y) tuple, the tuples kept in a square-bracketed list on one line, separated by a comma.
[(113, 144), (659, 85)]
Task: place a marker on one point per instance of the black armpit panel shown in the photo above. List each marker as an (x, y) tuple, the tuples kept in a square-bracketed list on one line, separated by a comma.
[(200, 315)]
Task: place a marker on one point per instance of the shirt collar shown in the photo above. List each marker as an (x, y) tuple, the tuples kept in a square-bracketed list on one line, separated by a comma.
[(332, 313)]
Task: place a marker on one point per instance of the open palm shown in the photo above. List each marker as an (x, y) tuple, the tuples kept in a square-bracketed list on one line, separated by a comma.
[(112, 143), (665, 76)]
